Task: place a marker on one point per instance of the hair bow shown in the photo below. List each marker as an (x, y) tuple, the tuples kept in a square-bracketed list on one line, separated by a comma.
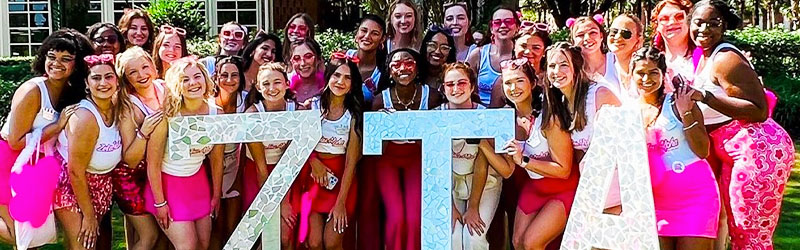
[(94, 60), (513, 63)]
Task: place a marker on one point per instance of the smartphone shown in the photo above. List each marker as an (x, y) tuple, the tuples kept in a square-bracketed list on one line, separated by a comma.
[(332, 180), (678, 82)]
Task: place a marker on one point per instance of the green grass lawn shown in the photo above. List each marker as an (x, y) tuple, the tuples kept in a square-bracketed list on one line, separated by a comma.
[(787, 236)]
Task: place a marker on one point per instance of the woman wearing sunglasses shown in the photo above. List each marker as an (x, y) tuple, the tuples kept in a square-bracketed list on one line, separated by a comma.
[(137, 29), (589, 34), (89, 148), (44, 102), (299, 28), (486, 59), (232, 38), (400, 166), (106, 38), (542, 149), (755, 153), (476, 188), (229, 85), (263, 49), (457, 19), (170, 45), (625, 36), (307, 80), (403, 29), (671, 36), (438, 50)]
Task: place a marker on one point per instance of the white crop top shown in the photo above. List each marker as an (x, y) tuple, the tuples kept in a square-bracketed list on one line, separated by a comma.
[(189, 166), (536, 146), (108, 148), (464, 154), (581, 139), (335, 135), (703, 81), (46, 115), (273, 150)]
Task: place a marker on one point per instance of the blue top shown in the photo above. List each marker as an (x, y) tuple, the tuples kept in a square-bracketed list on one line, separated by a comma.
[(387, 98), (370, 83), (667, 139), (486, 75)]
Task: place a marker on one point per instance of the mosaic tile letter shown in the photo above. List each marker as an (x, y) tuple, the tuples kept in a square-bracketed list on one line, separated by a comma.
[(619, 141), (436, 129), (301, 127)]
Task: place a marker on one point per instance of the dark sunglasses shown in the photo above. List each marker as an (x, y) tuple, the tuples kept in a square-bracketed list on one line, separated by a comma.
[(627, 34)]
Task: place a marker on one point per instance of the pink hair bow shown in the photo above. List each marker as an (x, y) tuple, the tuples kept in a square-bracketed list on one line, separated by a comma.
[(93, 60)]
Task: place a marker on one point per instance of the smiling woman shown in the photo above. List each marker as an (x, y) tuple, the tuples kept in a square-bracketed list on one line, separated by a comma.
[(106, 38)]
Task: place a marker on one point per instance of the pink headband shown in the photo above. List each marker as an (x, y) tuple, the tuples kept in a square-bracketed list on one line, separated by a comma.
[(597, 17)]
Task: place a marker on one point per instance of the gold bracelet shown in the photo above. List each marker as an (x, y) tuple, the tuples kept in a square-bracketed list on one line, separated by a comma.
[(690, 126), (687, 113)]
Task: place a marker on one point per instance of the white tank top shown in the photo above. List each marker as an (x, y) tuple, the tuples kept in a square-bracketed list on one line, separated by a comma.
[(335, 135), (108, 148), (464, 153), (46, 115), (703, 81), (158, 84), (536, 146), (387, 104), (273, 150), (240, 107), (581, 139), (189, 166), (610, 76)]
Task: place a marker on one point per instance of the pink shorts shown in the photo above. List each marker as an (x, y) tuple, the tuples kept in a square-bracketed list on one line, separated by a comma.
[(99, 190)]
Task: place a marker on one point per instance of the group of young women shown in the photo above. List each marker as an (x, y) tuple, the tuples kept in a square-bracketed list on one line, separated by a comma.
[(717, 160)]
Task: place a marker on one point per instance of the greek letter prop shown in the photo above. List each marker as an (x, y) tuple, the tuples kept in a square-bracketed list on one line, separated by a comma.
[(437, 129), (618, 141), (303, 128)]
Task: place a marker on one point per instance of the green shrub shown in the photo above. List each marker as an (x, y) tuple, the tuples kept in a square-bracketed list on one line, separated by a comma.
[(775, 52), (7, 89), (334, 40), (183, 14), (202, 47), (15, 69)]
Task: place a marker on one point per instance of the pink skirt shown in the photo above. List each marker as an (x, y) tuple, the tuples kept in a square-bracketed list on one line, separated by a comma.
[(99, 191), (7, 158), (188, 198), (536, 193), (687, 203)]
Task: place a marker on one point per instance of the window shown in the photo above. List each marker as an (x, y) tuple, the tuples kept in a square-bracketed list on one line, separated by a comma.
[(241, 11), (28, 25)]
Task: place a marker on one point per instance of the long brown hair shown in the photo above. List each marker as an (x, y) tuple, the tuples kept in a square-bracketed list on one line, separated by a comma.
[(557, 105), (287, 45), (416, 32), (121, 105), (125, 23), (157, 58)]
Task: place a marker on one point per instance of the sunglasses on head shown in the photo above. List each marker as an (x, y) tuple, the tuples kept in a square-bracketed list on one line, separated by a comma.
[(102, 39), (235, 34), (513, 63), (509, 22), (534, 26), (307, 56), (167, 30), (626, 34), (678, 17), (344, 56), (403, 64)]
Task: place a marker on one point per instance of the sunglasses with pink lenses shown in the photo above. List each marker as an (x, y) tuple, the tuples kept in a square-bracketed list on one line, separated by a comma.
[(509, 22), (307, 57), (235, 34)]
